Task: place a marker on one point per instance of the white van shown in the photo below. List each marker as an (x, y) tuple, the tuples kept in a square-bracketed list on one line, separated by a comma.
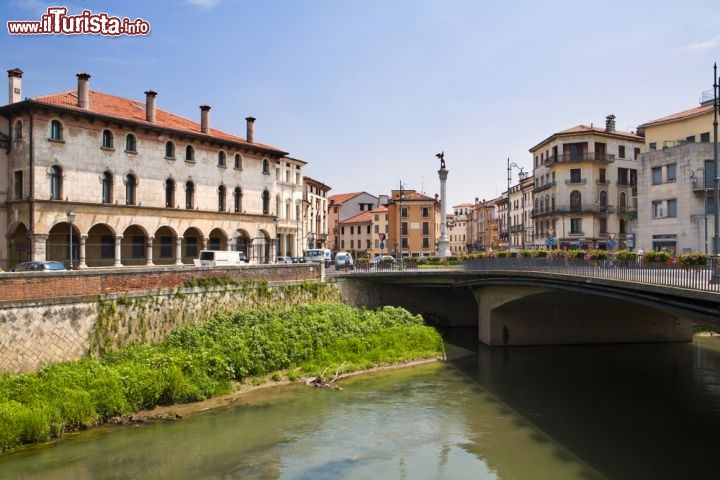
[(317, 255), (220, 258)]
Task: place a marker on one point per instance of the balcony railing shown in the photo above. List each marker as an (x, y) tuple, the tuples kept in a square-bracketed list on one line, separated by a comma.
[(602, 181), (576, 181), (570, 209), (542, 188), (580, 157)]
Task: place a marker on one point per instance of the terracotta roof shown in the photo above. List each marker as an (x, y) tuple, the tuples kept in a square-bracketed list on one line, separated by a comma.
[(416, 196), (380, 209), (680, 115), (363, 217), (134, 111), (584, 129), (463, 205), (341, 198)]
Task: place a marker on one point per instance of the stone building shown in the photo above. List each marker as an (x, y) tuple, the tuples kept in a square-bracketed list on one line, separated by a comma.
[(343, 206), (676, 184), (585, 186), (315, 228), (119, 182)]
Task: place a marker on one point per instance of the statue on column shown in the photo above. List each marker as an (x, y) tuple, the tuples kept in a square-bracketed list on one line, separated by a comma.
[(441, 156)]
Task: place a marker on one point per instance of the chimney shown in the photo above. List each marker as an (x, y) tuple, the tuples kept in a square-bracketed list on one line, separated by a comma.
[(250, 129), (610, 123), (204, 118), (83, 90), (150, 106), (14, 85)]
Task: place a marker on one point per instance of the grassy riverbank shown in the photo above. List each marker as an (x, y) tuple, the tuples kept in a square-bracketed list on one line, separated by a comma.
[(198, 362)]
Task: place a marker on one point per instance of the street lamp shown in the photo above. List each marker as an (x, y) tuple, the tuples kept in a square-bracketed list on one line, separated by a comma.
[(716, 239), (71, 219), (509, 179), (694, 180)]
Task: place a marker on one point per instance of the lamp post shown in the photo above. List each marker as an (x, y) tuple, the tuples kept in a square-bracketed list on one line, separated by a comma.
[(71, 219), (509, 179), (400, 217), (716, 239), (694, 180)]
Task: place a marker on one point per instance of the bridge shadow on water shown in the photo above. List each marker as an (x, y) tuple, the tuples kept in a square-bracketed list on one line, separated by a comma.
[(633, 411)]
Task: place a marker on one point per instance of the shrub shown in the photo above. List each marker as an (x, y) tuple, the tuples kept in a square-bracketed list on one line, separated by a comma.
[(656, 256), (693, 259), (625, 256), (577, 254), (597, 255)]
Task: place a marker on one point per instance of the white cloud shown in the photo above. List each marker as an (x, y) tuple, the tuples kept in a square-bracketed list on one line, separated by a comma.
[(713, 42), (203, 3)]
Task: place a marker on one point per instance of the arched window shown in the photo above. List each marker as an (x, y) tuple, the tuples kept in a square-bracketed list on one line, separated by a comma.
[(18, 129), (238, 199), (55, 183), (56, 130), (266, 202), (266, 166), (221, 198), (130, 143), (130, 189), (107, 139), (170, 193), (107, 184), (603, 200), (575, 201), (189, 153), (189, 195), (238, 161), (221, 158), (169, 150)]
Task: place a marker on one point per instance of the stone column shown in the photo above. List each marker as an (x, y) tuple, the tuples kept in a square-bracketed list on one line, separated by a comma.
[(118, 251), (178, 251), (206, 240), (149, 248), (38, 246), (443, 243), (81, 260)]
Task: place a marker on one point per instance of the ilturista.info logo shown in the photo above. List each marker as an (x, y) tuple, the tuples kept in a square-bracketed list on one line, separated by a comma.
[(57, 22)]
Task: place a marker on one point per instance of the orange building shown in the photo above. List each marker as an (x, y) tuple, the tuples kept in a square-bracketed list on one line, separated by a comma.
[(413, 223)]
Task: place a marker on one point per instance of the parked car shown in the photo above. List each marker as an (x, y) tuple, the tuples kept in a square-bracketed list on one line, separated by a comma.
[(298, 260), (38, 266), (384, 259), (283, 259), (220, 258), (344, 261)]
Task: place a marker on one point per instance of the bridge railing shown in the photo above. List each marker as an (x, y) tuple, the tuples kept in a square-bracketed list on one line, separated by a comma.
[(672, 274)]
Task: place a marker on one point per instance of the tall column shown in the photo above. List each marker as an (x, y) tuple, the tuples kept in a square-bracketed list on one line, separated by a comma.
[(443, 243), (148, 249), (178, 251), (38, 246), (118, 251), (81, 260)]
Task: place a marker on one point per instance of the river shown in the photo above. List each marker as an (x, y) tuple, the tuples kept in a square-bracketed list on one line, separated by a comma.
[(578, 412)]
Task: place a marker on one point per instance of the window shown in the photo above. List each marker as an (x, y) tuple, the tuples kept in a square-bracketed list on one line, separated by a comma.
[(266, 166), (426, 228), (425, 243), (657, 210), (107, 139), (238, 161), (575, 175), (189, 153), (107, 247), (18, 184), (107, 184), (191, 246), (671, 172), (221, 198), (603, 225), (425, 212), (621, 151), (352, 230), (404, 243), (18, 129), (368, 229), (166, 246), (672, 208), (637, 153), (704, 137), (603, 201), (55, 183), (189, 195), (575, 201), (690, 139), (602, 179), (403, 228), (403, 212), (170, 193), (656, 175), (138, 246), (130, 143), (130, 189), (266, 202), (56, 130), (576, 226), (221, 159), (237, 196), (652, 146), (169, 150)]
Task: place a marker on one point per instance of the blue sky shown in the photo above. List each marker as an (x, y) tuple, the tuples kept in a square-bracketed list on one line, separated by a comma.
[(368, 91)]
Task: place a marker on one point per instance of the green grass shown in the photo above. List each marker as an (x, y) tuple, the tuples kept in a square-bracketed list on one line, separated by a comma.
[(197, 362)]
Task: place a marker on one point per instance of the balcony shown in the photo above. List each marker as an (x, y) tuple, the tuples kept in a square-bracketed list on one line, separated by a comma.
[(602, 181), (542, 188), (573, 209), (576, 181), (580, 157)]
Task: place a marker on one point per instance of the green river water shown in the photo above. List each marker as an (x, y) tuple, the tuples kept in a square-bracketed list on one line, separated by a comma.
[(580, 412)]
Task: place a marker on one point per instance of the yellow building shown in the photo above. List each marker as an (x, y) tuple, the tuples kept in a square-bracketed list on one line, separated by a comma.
[(585, 187), (414, 224), (676, 184)]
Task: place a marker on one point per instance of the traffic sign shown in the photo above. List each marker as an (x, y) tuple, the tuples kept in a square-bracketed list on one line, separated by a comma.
[(550, 240), (611, 244), (382, 245)]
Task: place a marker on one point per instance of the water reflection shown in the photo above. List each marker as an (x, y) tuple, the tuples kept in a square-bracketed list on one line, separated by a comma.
[(617, 412)]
